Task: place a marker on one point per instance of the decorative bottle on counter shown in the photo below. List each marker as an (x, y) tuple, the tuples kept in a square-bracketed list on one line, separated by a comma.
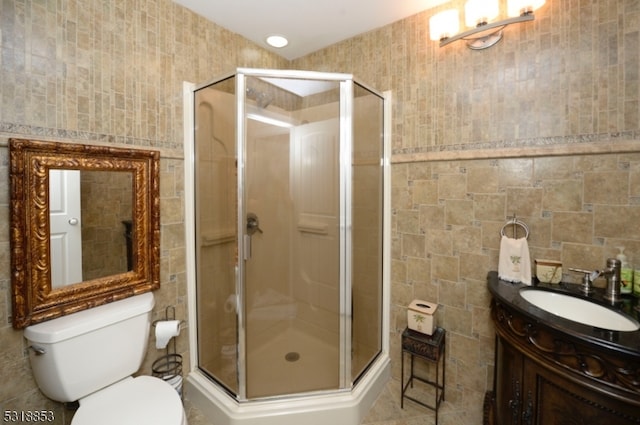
[(626, 273)]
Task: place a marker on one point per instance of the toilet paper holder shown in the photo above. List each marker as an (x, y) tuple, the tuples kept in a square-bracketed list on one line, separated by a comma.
[(169, 366)]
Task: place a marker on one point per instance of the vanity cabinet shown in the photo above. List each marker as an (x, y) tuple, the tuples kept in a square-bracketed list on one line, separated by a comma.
[(544, 375), (528, 393)]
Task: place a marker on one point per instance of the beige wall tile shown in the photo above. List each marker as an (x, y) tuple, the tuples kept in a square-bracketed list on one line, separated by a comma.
[(548, 88), (474, 266), (418, 270), (606, 187), (453, 294), (489, 205), (458, 212), (482, 180), (562, 194), (467, 239), (615, 221), (524, 202), (426, 191), (444, 268), (515, 172), (572, 227), (452, 186), (432, 217), (549, 168), (440, 241), (413, 245), (407, 220), (95, 74)]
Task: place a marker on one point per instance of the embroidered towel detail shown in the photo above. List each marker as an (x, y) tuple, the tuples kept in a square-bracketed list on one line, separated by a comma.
[(514, 264)]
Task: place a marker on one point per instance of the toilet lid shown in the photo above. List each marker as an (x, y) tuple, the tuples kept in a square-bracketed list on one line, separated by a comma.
[(144, 400)]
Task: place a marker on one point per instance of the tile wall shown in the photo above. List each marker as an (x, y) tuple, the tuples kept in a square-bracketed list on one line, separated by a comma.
[(545, 125), (105, 73)]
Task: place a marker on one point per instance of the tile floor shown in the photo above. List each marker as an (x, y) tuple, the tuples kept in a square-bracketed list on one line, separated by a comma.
[(385, 411)]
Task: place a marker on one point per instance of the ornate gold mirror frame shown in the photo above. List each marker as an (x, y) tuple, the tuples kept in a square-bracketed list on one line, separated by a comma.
[(34, 299)]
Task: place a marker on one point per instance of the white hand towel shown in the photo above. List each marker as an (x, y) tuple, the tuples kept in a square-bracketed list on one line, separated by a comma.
[(514, 264)]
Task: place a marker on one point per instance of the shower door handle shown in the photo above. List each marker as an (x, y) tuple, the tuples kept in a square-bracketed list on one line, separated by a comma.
[(246, 247), (253, 226)]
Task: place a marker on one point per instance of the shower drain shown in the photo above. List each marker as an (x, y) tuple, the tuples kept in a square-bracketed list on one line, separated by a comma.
[(292, 356)]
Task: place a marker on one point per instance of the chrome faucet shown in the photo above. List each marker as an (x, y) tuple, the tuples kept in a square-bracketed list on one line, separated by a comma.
[(612, 274)]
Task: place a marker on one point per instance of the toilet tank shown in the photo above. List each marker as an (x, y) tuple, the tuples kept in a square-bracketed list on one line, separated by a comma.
[(89, 350)]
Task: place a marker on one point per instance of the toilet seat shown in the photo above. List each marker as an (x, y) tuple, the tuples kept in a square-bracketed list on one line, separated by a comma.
[(144, 400)]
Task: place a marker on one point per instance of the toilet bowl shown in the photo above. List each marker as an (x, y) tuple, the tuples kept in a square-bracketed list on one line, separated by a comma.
[(134, 401), (91, 356)]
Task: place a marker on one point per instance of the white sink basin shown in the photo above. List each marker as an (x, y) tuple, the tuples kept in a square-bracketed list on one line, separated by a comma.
[(579, 310)]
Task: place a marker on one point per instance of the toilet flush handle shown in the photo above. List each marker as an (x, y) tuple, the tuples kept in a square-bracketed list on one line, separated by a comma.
[(38, 350)]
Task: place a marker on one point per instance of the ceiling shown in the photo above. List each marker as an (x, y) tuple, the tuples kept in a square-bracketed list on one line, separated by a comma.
[(309, 25)]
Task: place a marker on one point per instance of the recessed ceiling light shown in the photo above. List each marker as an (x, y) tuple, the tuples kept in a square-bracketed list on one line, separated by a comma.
[(277, 41)]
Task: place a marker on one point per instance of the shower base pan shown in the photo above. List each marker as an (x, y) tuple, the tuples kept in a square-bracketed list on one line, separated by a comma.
[(340, 407)]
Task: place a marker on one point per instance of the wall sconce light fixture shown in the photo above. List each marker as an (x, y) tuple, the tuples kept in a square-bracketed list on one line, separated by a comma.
[(478, 14)]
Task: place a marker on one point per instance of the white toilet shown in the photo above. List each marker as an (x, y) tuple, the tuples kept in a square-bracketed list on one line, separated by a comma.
[(90, 356)]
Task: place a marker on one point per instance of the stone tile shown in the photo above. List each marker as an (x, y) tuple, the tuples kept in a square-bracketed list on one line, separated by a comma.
[(407, 220), (418, 270), (606, 187), (572, 227), (482, 180), (487, 206), (458, 212), (452, 186), (124, 87), (432, 217), (444, 268), (426, 192), (562, 195), (467, 239), (413, 245), (524, 202)]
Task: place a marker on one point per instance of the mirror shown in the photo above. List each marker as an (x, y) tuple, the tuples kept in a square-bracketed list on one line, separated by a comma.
[(81, 228), (85, 226)]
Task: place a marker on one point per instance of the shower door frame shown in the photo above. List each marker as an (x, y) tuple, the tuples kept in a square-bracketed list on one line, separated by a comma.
[(345, 144), (345, 151)]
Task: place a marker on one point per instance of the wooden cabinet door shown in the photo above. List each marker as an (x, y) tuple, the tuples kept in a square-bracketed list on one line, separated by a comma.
[(509, 382), (555, 400)]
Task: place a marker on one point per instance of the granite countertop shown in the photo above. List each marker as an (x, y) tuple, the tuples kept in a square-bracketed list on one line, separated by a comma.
[(509, 293)]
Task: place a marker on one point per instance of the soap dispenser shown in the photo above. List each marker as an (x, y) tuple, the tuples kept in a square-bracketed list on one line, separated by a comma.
[(626, 273)]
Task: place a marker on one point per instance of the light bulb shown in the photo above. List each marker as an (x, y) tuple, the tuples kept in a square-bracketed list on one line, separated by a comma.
[(277, 41), (480, 11), (522, 7), (444, 24)]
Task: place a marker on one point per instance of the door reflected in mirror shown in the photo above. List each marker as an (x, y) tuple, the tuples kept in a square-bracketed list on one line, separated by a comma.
[(90, 216)]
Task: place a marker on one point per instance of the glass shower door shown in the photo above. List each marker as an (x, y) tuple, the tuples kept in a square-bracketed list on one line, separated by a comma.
[(291, 203)]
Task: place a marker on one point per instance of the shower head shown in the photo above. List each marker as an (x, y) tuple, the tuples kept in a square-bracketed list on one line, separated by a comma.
[(262, 99)]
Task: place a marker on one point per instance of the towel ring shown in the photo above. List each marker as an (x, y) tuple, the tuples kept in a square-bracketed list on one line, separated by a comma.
[(515, 222)]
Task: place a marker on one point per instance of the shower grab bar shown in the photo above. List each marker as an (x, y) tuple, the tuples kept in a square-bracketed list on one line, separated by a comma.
[(315, 228), (218, 238)]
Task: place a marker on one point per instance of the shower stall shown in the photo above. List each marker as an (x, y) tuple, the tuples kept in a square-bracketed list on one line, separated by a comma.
[(288, 249)]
